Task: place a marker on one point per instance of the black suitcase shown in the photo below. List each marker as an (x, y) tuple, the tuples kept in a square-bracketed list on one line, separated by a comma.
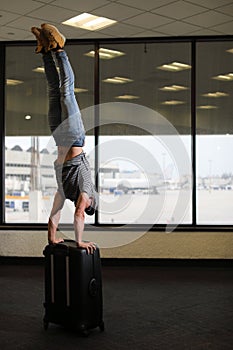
[(73, 287)]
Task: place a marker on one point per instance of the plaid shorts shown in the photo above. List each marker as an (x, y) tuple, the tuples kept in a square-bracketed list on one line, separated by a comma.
[(74, 177)]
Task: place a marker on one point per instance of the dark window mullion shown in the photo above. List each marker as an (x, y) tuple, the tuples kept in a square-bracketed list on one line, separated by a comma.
[(2, 128)]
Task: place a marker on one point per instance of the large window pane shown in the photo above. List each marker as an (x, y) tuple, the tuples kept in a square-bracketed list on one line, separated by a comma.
[(214, 133), (145, 168), (30, 150)]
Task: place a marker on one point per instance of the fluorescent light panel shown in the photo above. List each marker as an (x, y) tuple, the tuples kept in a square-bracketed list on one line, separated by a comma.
[(174, 67), (127, 97), (224, 77), (89, 22), (216, 94), (13, 82), (105, 54), (207, 107), (117, 80), (172, 102), (173, 88), (79, 90)]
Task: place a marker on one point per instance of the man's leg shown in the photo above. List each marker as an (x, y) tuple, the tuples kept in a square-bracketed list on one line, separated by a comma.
[(71, 115), (53, 83)]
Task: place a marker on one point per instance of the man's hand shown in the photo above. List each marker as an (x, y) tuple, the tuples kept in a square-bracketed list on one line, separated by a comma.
[(89, 246), (56, 241)]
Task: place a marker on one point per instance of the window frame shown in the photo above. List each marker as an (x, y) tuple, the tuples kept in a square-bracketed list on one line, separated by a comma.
[(96, 44)]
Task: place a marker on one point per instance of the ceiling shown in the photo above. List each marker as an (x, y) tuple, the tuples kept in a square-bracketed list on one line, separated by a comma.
[(135, 18)]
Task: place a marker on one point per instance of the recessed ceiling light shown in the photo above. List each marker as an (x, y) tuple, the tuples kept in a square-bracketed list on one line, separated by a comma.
[(207, 107), (13, 82), (117, 80), (38, 70), (215, 94), (41, 69), (79, 90), (28, 117), (89, 22), (105, 54), (224, 77), (127, 97), (173, 88), (172, 102), (174, 67)]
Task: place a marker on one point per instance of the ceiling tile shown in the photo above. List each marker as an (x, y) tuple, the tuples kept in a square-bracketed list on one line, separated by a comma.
[(145, 5), (148, 33), (94, 35), (7, 17), (205, 31), (228, 10), (11, 34), (208, 19), (177, 28), (21, 7), (121, 30), (226, 28), (210, 4), (80, 6), (25, 23), (148, 20), (116, 11), (50, 13), (179, 10)]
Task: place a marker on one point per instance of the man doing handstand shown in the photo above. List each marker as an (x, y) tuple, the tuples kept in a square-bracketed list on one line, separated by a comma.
[(72, 169)]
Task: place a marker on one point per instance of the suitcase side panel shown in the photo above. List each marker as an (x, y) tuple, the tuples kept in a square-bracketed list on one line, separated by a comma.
[(73, 287)]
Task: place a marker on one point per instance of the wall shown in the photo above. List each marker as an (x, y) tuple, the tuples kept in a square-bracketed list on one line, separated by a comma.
[(189, 245)]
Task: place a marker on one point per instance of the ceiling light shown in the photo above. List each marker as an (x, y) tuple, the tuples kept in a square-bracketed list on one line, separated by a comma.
[(215, 94), (127, 97), (172, 102), (79, 90), (224, 77), (207, 107), (38, 70), (89, 22), (13, 82), (173, 88), (106, 54), (117, 80), (28, 117), (230, 50), (174, 67)]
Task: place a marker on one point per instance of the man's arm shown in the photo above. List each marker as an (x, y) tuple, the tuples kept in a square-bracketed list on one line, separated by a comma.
[(79, 218), (54, 218)]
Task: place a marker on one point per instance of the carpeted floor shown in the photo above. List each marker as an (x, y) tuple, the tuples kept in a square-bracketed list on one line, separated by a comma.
[(144, 308)]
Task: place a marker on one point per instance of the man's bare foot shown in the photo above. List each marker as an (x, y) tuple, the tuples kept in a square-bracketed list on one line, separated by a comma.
[(89, 246)]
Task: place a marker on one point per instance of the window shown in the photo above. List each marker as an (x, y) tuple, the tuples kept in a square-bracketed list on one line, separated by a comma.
[(141, 131), (214, 133), (30, 151), (145, 142)]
